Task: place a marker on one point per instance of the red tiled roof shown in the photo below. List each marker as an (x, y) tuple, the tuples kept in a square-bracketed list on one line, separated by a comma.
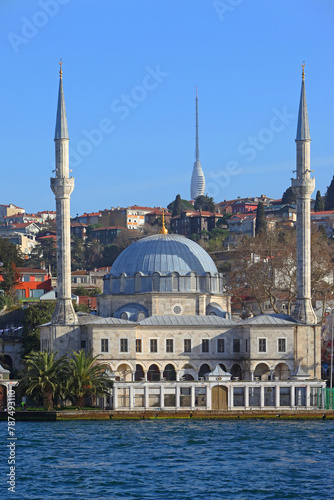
[(31, 270), (80, 272), (48, 237), (78, 224), (157, 211), (92, 214), (325, 212), (19, 225), (242, 216), (105, 228), (136, 207)]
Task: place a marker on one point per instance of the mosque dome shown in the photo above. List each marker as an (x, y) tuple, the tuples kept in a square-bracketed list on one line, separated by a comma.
[(163, 263), (164, 254)]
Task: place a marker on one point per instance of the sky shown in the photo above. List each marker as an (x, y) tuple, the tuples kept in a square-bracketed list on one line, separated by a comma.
[(130, 71)]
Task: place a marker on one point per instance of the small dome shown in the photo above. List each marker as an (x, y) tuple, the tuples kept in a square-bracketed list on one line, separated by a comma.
[(164, 254)]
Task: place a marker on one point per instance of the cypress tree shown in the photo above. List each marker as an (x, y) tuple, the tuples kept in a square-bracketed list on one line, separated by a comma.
[(260, 223), (329, 205), (319, 203), (177, 209), (288, 197)]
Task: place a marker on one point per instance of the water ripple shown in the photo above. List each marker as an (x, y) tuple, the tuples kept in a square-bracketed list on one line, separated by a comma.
[(174, 460)]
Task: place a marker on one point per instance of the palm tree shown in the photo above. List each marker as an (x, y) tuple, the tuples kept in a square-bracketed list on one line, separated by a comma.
[(42, 376), (86, 377)]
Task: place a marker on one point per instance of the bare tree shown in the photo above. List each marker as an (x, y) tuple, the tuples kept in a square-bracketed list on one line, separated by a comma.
[(262, 270)]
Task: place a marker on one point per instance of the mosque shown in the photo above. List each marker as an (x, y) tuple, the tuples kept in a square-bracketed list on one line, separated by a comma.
[(164, 322)]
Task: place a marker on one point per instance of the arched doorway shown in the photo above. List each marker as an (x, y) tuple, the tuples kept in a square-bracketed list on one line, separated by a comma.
[(153, 374), (236, 371), (139, 375), (6, 362), (124, 372), (203, 370), (219, 397), (262, 371), (282, 371), (169, 372), (187, 377), (3, 397), (223, 367)]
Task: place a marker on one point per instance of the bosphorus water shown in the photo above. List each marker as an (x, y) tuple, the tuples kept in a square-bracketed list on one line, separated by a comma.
[(171, 460)]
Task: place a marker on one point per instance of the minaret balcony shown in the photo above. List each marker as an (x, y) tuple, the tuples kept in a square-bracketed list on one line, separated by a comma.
[(62, 187), (303, 188)]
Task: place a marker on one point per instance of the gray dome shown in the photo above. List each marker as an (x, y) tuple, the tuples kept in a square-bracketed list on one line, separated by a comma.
[(165, 254)]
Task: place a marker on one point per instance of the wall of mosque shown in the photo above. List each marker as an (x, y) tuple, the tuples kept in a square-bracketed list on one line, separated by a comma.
[(307, 340), (163, 303)]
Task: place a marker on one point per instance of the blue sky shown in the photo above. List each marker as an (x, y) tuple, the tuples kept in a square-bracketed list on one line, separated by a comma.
[(130, 74)]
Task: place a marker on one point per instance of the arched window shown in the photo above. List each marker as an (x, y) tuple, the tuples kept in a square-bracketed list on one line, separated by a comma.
[(153, 374), (236, 371), (169, 372), (175, 282), (156, 282), (203, 370), (122, 283), (139, 375), (193, 282), (208, 282), (137, 282), (262, 371)]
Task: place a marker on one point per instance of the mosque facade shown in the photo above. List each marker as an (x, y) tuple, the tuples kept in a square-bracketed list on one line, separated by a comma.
[(165, 330)]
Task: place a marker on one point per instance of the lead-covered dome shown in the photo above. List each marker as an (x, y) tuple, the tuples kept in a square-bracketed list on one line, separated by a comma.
[(164, 254), (163, 263)]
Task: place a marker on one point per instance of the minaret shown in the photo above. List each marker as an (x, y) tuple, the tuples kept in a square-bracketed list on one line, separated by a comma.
[(303, 186), (62, 186), (197, 180)]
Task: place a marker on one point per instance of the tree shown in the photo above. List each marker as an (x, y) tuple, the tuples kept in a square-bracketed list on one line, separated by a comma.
[(11, 258), (329, 205), (288, 197), (90, 229), (82, 291), (205, 203), (177, 207), (86, 377), (45, 252), (109, 255), (77, 253), (42, 376), (93, 253), (186, 205), (263, 270), (49, 225), (125, 238), (319, 203), (34, 316), (260, 223)]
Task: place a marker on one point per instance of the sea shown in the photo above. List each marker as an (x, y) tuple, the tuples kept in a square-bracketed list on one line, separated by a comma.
[(169, 460)]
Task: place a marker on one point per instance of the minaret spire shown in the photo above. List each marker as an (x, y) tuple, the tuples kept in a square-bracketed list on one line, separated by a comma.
[(197, 187), (62, 186), (61, 131), (303, 186)]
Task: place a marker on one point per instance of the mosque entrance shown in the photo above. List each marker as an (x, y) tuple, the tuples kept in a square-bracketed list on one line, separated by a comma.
[(219, 398)]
